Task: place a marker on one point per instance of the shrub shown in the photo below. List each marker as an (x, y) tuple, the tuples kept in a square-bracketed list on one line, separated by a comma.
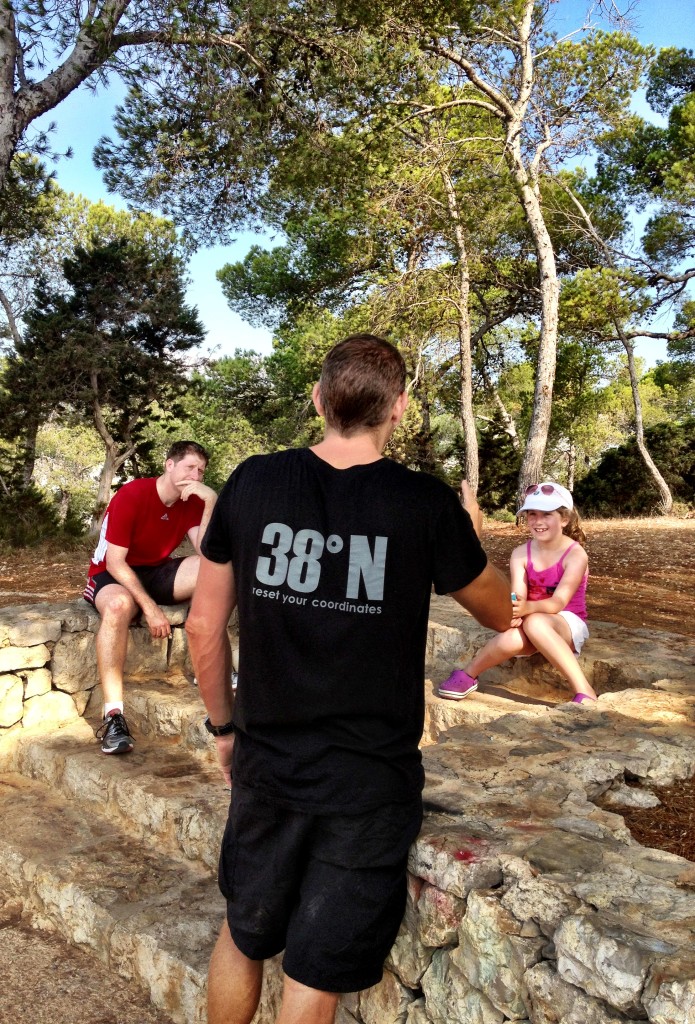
[(621, 484), (27, 517)]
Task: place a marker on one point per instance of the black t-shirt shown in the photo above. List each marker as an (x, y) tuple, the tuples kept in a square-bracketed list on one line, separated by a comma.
[(334, 570)]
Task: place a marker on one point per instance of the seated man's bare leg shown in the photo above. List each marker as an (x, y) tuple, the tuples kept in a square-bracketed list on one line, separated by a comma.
[(303, 1005), (116, 608), (234, 983), (186, 578)]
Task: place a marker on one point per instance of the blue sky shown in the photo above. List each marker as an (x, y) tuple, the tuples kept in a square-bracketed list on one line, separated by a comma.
[(85, 116)]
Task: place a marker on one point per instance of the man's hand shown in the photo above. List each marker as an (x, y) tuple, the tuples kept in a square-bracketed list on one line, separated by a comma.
[(470, 503), (157, 621), (225, 748), (205, 493)]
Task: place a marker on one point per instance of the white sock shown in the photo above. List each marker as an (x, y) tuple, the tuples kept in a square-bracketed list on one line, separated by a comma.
[(115, 706)]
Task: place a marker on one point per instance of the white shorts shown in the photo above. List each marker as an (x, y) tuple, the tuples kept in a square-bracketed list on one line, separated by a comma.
[(578, 629)]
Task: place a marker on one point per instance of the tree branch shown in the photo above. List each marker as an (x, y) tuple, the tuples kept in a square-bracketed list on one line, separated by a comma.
[(14, 330)]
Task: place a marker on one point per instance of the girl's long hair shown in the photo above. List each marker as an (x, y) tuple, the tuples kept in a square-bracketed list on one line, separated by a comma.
[(572, 527)]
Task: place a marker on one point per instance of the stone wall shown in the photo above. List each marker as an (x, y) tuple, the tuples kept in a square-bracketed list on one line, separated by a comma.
[(48, 660), (528, 900)]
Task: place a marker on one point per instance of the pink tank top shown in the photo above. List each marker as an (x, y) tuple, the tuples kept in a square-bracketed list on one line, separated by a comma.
[(543, 582)]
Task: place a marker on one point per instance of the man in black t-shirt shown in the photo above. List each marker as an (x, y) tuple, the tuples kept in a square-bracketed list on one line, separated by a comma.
[(330, 555)]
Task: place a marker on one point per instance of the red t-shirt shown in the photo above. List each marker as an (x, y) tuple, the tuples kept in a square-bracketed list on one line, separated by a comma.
[(138, 519)]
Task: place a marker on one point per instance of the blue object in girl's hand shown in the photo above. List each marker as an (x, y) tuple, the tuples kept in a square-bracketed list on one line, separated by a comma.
[(514, 597)]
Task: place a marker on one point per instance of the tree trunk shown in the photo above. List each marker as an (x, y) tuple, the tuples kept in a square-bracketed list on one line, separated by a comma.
[(666, 503), (472, 466), (534, 454), (112, 462), (571, 465), (29, 452), (505, 415)]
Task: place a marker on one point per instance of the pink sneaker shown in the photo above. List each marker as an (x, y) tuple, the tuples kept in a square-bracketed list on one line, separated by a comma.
[(458, 685)]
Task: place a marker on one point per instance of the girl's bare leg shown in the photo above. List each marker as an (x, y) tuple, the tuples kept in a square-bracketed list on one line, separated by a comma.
[(505, 645), (551, 635)]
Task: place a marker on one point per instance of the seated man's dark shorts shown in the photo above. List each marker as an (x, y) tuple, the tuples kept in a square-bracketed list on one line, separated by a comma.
[(158, 581), (328, 889)]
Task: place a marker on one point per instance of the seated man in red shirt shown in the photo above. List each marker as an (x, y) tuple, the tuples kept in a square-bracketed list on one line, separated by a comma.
[(132, 573)]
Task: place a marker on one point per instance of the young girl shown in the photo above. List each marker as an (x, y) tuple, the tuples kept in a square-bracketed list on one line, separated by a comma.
[(549, 575)]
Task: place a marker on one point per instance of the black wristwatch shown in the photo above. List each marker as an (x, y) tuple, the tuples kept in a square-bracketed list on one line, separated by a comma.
[(219, 730)]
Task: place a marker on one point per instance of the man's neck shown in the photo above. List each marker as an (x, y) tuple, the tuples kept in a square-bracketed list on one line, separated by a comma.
[(344, 452), (168, 494)]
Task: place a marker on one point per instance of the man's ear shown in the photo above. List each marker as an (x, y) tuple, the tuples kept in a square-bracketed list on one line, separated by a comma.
[(169, 465), (399, 407), (316, 399)]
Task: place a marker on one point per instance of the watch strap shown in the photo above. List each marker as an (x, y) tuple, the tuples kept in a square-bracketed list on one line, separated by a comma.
[(219, 730)]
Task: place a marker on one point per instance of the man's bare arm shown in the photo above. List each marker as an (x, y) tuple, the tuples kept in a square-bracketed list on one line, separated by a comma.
[(209, 497), (116, 564), (206, 626), (488, 599)]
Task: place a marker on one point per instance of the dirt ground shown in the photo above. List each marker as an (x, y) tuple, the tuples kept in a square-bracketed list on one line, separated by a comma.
[(642, 571), (642, 574)]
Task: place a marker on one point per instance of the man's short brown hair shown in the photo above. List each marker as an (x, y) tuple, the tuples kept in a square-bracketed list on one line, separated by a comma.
[(180, 449), (361, 378)]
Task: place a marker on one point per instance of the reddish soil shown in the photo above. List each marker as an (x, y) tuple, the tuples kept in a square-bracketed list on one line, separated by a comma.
[(642, 571), (642, 574)]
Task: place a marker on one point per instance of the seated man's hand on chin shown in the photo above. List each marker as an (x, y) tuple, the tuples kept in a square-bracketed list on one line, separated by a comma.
[(197, 487)]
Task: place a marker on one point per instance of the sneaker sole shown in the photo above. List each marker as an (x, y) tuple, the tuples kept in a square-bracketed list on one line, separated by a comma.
[(122, 748), (456, 694)]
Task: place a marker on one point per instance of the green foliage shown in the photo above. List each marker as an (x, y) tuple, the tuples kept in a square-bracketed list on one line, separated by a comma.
[(27, 517), (500, 463), (621, 484), (68, 458)]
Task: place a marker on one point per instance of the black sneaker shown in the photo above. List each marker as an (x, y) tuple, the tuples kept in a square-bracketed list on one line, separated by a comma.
[(115, 735)]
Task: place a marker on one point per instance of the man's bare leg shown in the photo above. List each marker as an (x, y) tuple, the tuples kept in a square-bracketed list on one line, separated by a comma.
[(186, 578), (234, 983), (116, 608), (303, 1005)]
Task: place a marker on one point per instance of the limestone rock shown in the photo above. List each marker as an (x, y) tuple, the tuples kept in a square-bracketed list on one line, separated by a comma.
[(541, 900), (439, 916), (385, 1003), (78, 616), (49, 709), (11, 693), (176, 613), (28, 626), (596, 953), (13, 659), (409, 958), (641, 901), (147, 655), (453, 860), (179, 658), (417, 1013), (669, 995), (81, 699), (554, 1001), (74, 662), (342, 1016), (451, 999), (620, 795), (493, 955), (37, 681)]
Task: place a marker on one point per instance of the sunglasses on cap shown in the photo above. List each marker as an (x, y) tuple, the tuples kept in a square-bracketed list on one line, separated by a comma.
[(542, 489)]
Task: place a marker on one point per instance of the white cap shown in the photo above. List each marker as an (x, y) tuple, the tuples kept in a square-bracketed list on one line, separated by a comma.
[(547, 497)]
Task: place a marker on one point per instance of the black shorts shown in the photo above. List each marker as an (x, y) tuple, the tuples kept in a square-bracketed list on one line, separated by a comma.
[(328, 889), (158, 581)]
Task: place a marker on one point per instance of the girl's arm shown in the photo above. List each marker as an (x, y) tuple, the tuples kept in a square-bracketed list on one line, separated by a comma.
[(575, 566), (517, 572)]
